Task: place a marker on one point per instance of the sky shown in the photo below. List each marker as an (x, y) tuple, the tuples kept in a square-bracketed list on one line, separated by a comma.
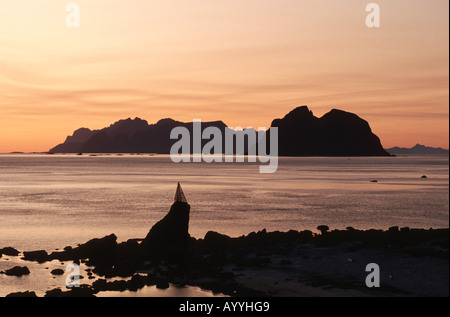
[(245, 62)]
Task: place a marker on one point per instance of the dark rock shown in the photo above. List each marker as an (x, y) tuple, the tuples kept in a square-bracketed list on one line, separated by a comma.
[(424, 176), (162, 283), (393, 229), (40, 256), (57, 272), (171, 233), (217, 241), (22, 294), (129, 250), (98, 250), (54, 293), (82, 291), (99, 285), (323, 229), (151, 280), (62, 256), (10, 251), (137, 282), (305, 236), (18, 271), (119, 286), (124, 268)]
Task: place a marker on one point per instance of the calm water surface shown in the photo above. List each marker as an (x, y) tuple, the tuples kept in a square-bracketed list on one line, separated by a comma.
[(50, 201)]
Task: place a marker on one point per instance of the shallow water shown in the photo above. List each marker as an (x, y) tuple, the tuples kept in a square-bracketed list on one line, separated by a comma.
[(41, 280), (50, 201), (172, 291)]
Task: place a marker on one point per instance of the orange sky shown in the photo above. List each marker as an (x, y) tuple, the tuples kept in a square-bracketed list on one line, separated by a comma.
[(245, 62)]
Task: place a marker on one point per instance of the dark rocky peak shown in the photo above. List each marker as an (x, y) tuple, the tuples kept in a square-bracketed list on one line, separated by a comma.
[(80, 136), (300, 113), (128, 126)]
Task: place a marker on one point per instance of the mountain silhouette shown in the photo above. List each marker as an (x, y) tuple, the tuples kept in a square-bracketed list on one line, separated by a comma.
[(337, 133), (101, 141), (418, 149)]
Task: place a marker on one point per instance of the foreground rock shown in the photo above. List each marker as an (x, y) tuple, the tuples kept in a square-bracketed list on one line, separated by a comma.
[(22, 294), (171, 234), (17, 271), (57, 272), (98, 251), (40, 256), (9, 251), (228, 265), (284, 263), (82, 291)]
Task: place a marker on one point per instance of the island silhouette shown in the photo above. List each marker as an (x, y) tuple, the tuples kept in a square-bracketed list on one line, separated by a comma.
[(418, 149), (337, 133)]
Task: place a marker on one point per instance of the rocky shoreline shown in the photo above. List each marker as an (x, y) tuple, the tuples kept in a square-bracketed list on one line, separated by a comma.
[(224, 264), (414, 262)]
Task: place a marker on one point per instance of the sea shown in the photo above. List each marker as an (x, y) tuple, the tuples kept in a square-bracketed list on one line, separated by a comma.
[(52, 201)]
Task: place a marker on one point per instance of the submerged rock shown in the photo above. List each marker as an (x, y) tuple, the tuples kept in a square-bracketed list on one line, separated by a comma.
[(57, 272), (9, 251), (22, 294), (82, 291), (39, 256), (18, 271)]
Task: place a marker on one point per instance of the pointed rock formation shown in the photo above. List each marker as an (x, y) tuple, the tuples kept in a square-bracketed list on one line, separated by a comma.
[(171, 234)]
